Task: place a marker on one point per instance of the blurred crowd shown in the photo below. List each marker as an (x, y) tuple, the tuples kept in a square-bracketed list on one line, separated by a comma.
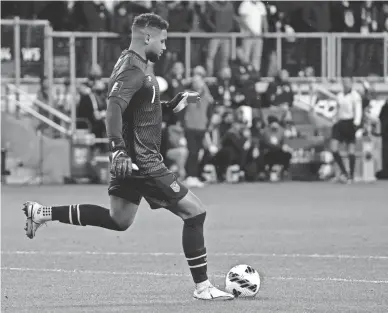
[(184, 16), (251, 17), (225, 136)]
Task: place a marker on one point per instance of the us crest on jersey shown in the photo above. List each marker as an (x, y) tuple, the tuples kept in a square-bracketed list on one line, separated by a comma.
[(175, 186)]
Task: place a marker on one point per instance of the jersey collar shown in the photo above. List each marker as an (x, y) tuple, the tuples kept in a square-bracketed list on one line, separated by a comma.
[(138, 55)]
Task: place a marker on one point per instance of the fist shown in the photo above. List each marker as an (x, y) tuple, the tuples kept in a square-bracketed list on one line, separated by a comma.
[(121, 164)]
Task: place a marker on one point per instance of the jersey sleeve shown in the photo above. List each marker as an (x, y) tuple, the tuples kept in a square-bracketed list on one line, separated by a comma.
[(243, 8), (126, 85)]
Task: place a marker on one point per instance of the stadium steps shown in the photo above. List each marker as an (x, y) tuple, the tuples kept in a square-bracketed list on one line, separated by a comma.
[(19, 137)]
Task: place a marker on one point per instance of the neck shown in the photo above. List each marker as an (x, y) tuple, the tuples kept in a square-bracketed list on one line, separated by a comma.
[(138, 49)]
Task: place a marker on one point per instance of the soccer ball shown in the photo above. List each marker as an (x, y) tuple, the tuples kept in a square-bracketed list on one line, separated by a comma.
[(242, 281)]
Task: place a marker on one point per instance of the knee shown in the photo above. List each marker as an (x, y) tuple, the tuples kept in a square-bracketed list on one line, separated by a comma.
[(196, 220), (122, 221)]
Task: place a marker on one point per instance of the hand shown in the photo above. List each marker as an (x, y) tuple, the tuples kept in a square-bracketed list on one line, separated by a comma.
[(213, 149), (180, 101), (255, 153), (286, 148), (121, 164)]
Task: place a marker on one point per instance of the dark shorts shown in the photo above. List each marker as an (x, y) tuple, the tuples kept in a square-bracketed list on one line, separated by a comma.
[(344, 131), (161, 189)]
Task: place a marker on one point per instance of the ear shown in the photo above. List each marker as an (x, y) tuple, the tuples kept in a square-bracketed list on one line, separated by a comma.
[(147, 38)]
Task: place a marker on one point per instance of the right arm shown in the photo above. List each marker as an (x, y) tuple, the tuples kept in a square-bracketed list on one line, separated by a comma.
[(123, 90), (243, 10)]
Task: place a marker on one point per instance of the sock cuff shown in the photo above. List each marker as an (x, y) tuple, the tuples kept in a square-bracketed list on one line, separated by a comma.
[(74, 215), (195, 255)]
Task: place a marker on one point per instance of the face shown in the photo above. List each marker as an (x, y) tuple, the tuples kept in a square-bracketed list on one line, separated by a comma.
[(347, 82), (197, 83), (284, 74), (226, 73), (178, 69), (155, 44), (274, 125)]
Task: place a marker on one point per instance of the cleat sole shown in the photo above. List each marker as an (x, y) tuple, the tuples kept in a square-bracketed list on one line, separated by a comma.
[(29, 226)]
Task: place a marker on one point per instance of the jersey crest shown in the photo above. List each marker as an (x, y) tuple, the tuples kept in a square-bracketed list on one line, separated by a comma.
[(175, 187), (116, 88)]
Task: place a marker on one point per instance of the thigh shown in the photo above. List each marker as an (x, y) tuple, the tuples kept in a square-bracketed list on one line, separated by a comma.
[(200, 134), (225, 48), (213, 47), (257, 46), (189, 206), (247, 46), (162, 189), (191, 139), (177, 155), (336, 132), (123, 209), (349, 132)]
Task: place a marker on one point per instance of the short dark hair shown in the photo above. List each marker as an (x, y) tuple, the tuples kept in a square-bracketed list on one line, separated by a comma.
[(150, 20)]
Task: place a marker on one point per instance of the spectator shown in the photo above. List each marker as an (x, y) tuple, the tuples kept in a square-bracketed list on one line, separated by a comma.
[(219, 19), (227, 120), (383, 18), (211, 142), (160, 8), (199, 70), (176, 148), (176, 81), (253, 164), (383, 117), (279, 92), (181, 17), (196, 117), (253, 22), (225, 92), (345, 19), (198, 45), (233, 150), (370, 52), (275, 152), (92, 105), (43, 96), (64, 99), (288, 124), (244, 77), (369, 17)]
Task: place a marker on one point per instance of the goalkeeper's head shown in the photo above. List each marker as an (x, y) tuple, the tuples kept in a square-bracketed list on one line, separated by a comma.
[(149, 32)]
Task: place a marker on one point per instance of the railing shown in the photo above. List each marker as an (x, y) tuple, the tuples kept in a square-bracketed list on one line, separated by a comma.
[(31, 49), (64, 119), (32, 46)]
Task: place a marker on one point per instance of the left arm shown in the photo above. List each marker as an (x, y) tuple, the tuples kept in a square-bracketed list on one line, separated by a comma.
[(357, 109), (180, 101)]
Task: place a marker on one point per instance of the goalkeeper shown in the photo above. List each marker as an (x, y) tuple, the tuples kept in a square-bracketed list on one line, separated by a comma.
[(134, 126)]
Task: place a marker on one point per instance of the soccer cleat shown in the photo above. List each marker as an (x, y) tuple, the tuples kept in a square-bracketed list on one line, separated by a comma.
[(212, 293), (37, 215)]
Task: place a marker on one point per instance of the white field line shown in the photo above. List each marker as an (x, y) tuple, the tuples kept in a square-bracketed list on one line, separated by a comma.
[(58, 270), (226, 254)]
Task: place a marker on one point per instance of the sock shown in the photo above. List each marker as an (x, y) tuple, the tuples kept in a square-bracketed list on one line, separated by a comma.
[(338, 160), (194, 247), (84, 214), (352, 164)]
